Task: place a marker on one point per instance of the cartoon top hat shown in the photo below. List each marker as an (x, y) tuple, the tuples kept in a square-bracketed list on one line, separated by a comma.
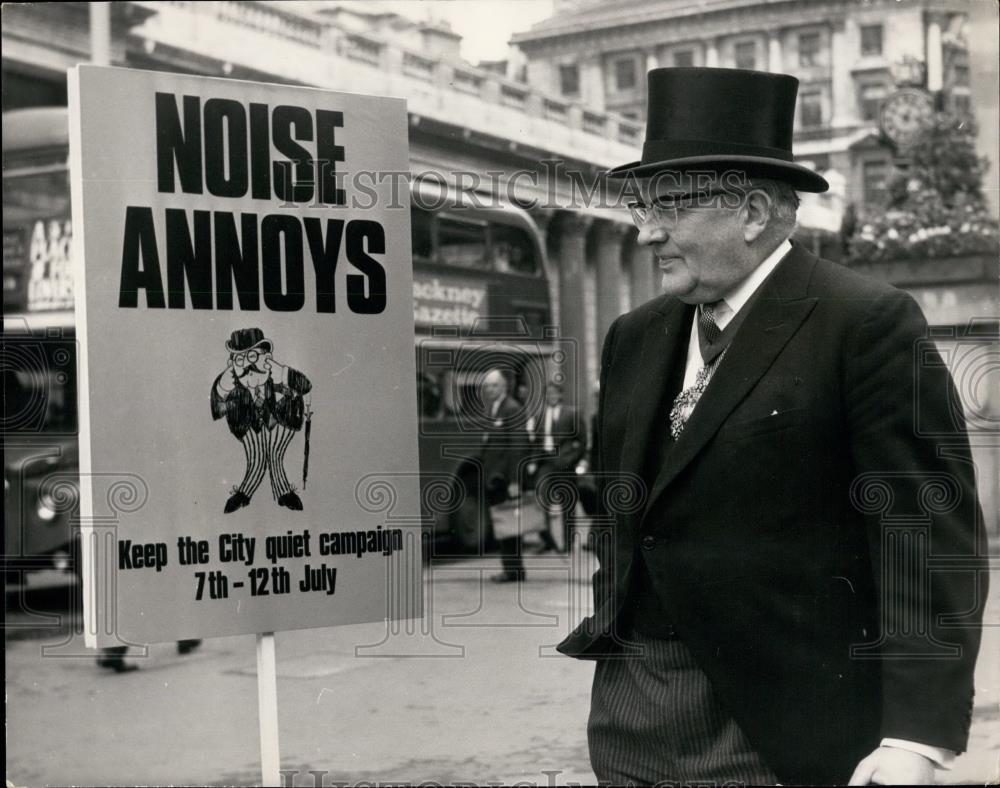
[(720, 119), (246, 339)]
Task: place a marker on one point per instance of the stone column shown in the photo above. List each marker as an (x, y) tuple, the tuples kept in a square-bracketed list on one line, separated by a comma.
[(984, 76), (444, 75), (391, 59), (774, 64), (652, 61), (533, 104), (712, 53), (935, 56), (592, 83), (544, 217), (608, 264), (843, 101), (542, 75), (490, 90), (100, 34), (568, 234), (332, 44), (641, 273), (574, 116)]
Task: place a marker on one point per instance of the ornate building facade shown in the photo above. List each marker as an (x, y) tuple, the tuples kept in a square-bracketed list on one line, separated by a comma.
[(849, 56)]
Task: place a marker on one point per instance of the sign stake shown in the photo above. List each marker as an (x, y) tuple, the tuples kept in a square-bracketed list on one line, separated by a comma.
[(267, 710)]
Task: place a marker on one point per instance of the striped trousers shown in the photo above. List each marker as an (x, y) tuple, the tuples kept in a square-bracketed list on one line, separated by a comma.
[(265, 453), (654, 719)]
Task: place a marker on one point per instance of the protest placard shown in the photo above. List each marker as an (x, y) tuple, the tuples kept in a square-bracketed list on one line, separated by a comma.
[(246, 332)]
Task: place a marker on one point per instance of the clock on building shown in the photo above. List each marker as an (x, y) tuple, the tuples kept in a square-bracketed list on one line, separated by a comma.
[(903, 114)]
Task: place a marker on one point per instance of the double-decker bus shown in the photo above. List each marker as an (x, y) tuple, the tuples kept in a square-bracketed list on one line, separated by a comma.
[(481, 301)]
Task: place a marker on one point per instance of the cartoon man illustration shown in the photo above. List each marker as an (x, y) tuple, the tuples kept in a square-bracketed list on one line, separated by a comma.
[(263, 402)]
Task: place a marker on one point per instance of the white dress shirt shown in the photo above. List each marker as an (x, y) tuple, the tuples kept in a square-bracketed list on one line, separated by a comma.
[(551, 417), (733, 302)]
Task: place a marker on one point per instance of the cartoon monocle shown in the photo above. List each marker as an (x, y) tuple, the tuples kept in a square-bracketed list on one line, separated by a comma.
[(265, 404)]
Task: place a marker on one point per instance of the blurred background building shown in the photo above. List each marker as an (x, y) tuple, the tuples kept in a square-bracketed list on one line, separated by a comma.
[(572, 90), (849, 56)]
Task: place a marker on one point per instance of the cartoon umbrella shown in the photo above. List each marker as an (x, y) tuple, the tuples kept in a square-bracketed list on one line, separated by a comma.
[(305, 462)]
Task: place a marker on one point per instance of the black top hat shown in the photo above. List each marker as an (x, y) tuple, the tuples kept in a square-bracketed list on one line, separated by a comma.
[(245, 339), (719, 119)]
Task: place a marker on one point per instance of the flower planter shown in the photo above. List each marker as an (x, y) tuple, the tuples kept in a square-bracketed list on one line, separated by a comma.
[(936, 270)]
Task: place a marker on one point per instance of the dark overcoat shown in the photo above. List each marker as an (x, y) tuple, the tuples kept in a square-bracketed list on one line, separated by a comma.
[(569, 439), (502, 449), (813, 531)]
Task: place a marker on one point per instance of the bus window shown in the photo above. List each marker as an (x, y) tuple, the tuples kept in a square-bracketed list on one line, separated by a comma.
[(27, 197), (429, 397), (513, 252), (422, 235), (448, 392), (462, 243)]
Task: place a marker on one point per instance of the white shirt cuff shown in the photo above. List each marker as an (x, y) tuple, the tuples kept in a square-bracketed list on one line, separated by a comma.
[(942, 757)]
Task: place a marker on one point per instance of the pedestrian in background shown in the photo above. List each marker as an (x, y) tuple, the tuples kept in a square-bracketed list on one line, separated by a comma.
[(559, 445), (113, 657), (499, 457), (589, 485)]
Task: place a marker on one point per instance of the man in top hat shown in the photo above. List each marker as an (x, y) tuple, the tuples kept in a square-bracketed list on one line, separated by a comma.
[(263, 402), (769, 614)]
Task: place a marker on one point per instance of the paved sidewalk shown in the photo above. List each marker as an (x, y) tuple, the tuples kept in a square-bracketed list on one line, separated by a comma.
[(481, 698)]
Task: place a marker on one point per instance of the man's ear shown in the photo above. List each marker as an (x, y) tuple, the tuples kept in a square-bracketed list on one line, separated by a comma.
[(756, 213)]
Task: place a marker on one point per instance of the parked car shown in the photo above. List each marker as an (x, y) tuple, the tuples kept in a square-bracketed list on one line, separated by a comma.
[(41, 462)]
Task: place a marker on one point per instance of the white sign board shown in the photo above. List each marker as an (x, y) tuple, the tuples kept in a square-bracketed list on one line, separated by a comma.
[(242, 312)]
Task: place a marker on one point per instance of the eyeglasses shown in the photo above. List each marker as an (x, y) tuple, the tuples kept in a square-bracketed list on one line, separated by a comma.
[(665, 210), (242, 359)]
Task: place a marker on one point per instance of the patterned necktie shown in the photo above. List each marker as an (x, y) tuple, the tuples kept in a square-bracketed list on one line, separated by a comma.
[(709, 332), (712, 352)]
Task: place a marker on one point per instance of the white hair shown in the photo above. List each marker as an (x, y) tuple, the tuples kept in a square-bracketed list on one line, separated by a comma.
[(496, 374), (784, 202)]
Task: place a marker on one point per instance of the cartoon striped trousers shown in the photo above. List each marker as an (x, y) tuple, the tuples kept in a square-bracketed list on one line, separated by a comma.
[(265, 453)]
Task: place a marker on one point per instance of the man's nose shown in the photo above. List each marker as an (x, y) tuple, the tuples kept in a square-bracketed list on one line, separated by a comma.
[(652, 233)]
